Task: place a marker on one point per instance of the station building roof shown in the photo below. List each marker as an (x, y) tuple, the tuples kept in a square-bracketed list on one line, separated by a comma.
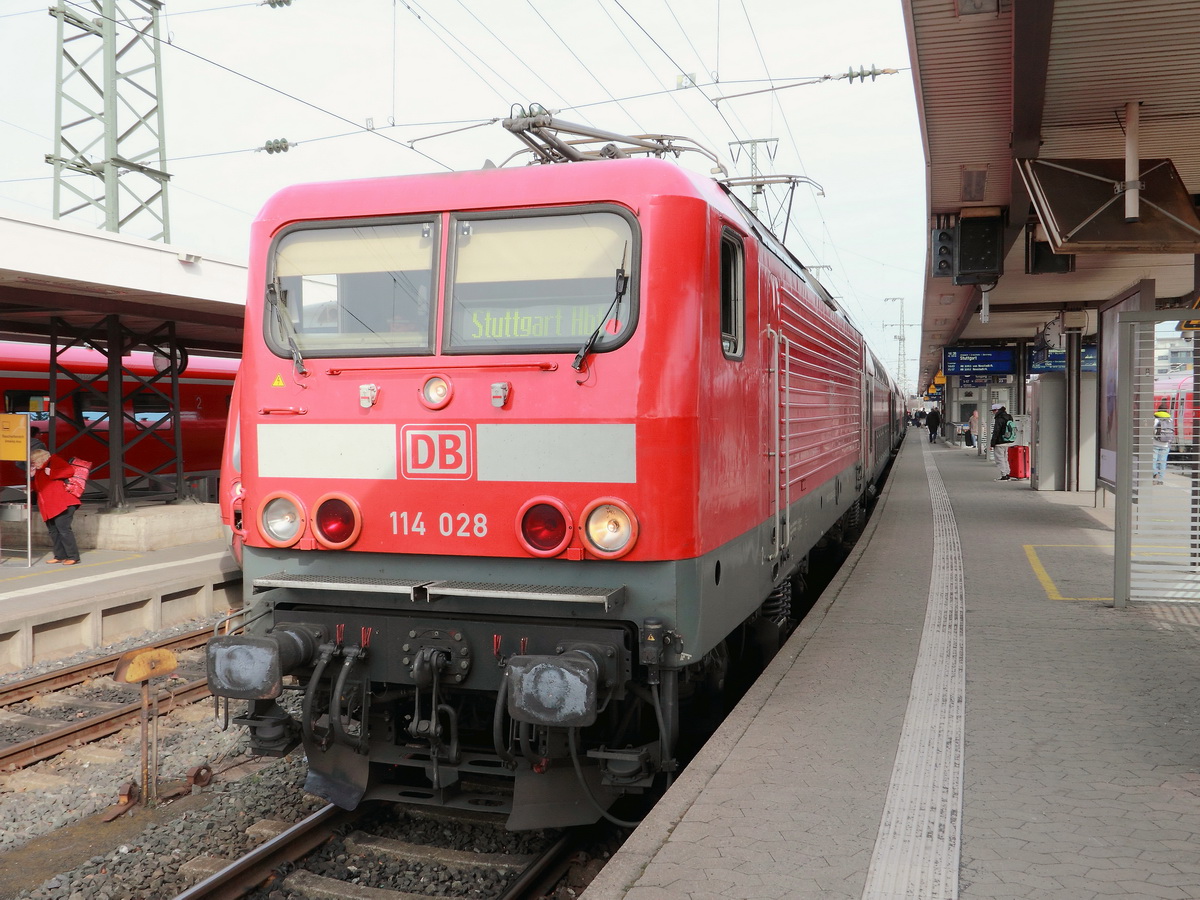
[(1007, 88), (57, 270)]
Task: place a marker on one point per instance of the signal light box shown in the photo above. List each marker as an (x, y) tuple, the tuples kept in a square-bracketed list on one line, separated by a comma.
[(978, 250)]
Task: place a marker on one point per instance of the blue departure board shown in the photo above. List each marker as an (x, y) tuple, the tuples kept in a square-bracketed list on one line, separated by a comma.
[(1056, 360), (978, 361)]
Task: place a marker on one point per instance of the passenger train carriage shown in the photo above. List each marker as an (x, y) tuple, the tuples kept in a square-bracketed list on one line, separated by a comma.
[(520, 463), (73, 418)]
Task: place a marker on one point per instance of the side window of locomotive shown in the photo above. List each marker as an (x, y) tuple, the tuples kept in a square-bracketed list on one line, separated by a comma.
[(733, 296), (541, 282), (361, 289)]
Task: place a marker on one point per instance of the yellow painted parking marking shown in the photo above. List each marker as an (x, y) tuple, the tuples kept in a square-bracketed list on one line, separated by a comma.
[(1048, 585)]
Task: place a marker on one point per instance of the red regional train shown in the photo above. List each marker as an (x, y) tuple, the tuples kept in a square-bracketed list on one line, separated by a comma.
[(205, 390), (521, 463), (1174, 393)]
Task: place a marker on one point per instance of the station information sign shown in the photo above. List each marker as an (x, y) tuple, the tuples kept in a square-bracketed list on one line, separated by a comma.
[(1056, 360), (978, 361), (14, 437)]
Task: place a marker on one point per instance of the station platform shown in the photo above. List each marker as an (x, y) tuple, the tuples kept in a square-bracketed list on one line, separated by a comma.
[(48, 612), (963, 714)]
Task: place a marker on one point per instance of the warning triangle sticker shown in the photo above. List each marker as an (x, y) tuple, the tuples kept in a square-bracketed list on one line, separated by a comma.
[(278, 382)]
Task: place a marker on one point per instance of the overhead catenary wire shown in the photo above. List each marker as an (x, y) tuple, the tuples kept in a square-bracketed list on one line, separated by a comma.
[(686, 36), (575, 55), (270, 87), (422, 15), (492, 32), (665, 90)]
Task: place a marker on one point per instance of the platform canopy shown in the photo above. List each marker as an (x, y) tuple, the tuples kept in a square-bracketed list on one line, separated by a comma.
[(54, 270), (1029, 111)]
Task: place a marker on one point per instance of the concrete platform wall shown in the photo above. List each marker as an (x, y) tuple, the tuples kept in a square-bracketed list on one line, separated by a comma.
[(151, 527), (95, 619)]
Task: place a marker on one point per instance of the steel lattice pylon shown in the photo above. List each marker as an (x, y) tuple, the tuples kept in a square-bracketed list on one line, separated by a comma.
[(108, 115)]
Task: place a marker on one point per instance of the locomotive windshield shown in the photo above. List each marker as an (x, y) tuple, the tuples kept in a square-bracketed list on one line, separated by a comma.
[(538, 281), (356, 289)]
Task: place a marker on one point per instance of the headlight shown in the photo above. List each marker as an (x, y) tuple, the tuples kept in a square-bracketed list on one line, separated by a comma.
[(436, 391), (336, 521), (281, 520), (610, 527)]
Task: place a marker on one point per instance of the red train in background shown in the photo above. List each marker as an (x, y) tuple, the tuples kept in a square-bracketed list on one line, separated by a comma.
[(522, 463), (205, 390)]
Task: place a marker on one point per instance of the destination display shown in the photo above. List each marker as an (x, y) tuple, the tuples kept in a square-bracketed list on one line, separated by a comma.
[(978, 361)]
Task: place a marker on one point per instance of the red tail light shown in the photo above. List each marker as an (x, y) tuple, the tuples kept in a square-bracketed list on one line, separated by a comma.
[(544, 527), (336, 521)]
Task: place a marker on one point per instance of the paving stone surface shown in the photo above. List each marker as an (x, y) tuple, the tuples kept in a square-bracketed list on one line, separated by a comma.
[(1082, 745)]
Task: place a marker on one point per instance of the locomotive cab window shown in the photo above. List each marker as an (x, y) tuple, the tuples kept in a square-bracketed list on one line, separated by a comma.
[(542, 281), (357, 289), (733, 296)]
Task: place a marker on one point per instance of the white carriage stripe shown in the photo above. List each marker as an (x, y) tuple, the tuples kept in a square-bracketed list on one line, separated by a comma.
[(304, 450), (557, 453), (918, 847)]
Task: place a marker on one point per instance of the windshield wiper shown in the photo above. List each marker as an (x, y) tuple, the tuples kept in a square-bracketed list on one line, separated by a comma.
[(276, 296), (621, 286)]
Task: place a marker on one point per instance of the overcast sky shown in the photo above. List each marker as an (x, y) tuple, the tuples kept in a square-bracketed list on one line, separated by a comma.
[(239, 74)]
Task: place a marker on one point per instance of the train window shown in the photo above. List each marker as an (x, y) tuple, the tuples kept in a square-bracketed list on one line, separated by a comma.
[(359, 289), (733, 295), (546, 281), (148, 408), (34, 404), (91, 408)]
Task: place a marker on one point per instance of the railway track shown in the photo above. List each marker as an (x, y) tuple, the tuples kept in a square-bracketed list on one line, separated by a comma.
[(279, 863), (77, 674), (109, 717)]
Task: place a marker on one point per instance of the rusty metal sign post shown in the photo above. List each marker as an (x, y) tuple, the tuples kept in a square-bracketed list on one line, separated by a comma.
[(140, 666)]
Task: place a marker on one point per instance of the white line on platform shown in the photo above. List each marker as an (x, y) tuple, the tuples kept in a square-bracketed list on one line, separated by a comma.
[(917, 850), (94, 577)]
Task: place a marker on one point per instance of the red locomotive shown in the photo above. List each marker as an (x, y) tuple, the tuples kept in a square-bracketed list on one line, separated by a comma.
[(78, 422), (521, 462)]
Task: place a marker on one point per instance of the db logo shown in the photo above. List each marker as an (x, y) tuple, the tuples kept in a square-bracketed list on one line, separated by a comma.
[(436, 452)]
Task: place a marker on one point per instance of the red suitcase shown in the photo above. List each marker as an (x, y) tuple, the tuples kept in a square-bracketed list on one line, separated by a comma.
[(1018, 461)]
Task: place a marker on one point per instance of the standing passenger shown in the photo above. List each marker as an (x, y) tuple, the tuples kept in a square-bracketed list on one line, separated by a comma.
[(973, 429), (1001, 439), (933, 421), (56, 505), (1164, 434)]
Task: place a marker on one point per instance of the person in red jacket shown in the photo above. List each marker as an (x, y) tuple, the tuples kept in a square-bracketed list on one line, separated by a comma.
[(56, 504)]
